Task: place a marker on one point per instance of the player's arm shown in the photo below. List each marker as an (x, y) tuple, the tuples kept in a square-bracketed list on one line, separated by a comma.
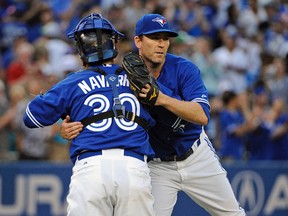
[(39, 114), (46, 109), (187, 110)]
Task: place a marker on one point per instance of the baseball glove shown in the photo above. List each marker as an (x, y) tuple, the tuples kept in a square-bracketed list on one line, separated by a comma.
[(138, 76)]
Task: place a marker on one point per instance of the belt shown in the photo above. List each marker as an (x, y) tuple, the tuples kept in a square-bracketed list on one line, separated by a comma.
[(189, 152), (127, 152)]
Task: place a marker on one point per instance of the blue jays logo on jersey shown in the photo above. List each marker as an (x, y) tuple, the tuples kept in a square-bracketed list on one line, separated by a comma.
[(112, 78), (204, 96), (180, 128), (160, 20)]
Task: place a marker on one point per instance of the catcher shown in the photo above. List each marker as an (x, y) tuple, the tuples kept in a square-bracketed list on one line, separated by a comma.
[(110, 172)]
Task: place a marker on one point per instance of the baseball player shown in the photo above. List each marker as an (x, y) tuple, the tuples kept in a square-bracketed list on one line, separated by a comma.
[(185, 159), (110, 172)]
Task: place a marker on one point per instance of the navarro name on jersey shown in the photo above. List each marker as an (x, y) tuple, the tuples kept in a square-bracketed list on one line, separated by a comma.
[(99, 81)]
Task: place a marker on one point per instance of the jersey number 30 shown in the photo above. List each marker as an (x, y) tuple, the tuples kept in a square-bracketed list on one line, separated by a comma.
[(105, 105)]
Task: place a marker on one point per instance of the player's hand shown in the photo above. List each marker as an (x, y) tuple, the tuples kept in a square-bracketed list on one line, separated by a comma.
[(145, 91), (70, 130)]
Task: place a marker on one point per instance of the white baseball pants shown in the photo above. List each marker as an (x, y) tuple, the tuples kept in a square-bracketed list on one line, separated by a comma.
[(110, 184), (200, 176)]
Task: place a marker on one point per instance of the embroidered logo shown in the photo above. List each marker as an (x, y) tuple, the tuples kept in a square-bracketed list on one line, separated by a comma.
[(112, 78), (153, 95), (161, 21)]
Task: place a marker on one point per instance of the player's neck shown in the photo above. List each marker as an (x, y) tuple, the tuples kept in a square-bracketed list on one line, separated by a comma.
[(105, 63), (155, 69)]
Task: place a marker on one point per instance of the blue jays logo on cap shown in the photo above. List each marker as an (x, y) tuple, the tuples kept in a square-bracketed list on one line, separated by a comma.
[(161, 21), (153, 23)]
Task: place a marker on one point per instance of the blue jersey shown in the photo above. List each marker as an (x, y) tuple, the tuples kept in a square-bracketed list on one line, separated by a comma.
[(231, 145), (259, 143), (172, 135), (87, 93), (280, 143)]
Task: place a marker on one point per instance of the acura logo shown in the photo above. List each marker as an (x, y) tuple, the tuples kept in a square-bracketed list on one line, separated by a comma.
[(250, 191)]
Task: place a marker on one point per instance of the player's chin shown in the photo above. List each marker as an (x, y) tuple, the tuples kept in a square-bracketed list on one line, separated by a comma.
[(159, 58)]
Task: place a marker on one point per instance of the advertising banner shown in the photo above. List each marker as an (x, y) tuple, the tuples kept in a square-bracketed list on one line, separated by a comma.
[(40, 189)]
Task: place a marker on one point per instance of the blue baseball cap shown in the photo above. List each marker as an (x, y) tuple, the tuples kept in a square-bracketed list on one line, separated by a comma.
[(153, 23)]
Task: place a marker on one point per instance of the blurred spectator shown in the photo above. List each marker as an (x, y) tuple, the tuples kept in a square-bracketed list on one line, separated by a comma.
[(107, 4), (278, 83), (31, 144), (223, 13), (117, 17), (22, 65), (234, 125), (69, 63), (57, 47), (75, 11), (32, 14), (16, 93), (259, 140), (276, 37), (41, 59), (252, 16), (233, 12), (9, 55), (132, 11), (252, 49), (279, 132), (58, 146), (193, 20), (212, 128), (183, 45), (4, 121), (209, 68), (233, 62), (59, 7), (11, 29)]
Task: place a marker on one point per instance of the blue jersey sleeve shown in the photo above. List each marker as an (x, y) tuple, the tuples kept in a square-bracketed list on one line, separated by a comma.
[(193, 88), (46, 109)]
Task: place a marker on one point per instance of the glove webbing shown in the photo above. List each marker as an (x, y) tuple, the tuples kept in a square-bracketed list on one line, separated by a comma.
[(116, 112)]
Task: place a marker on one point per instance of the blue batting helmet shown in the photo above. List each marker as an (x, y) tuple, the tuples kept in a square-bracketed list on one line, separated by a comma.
[(95, 38)]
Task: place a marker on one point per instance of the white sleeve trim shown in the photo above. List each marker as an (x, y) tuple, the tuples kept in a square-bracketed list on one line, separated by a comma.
[(32, 118)]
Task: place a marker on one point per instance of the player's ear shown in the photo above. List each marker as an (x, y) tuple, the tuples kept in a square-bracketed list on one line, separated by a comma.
[(138, 42)]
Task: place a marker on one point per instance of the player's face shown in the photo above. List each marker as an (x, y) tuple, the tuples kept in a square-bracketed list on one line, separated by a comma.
[(153, 47)]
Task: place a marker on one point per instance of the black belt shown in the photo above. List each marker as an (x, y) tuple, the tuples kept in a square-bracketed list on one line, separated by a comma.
[(182, 157), (127, 152)]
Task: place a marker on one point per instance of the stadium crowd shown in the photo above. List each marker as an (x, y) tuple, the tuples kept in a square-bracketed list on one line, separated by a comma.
[(240, 47)]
